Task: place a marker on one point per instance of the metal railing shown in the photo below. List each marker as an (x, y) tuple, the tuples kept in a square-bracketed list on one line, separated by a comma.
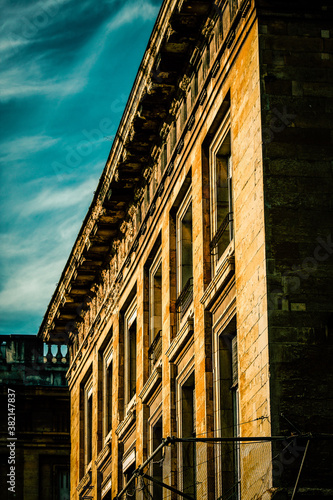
[(155, 351), (222, 231), (184, 300)]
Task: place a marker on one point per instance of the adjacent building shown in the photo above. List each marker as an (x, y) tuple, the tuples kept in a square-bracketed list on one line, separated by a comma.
[(34, 419), (197, 301)]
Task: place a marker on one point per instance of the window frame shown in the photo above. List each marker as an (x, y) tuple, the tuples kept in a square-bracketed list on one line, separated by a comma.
[(153, 269), (186, 384), (130, 316), (184, 289), (107, 368), (194, 87), (154, 332), (153, 421), (88, 419), (225, 344), (181, 212), (128, 466), (219, 139)]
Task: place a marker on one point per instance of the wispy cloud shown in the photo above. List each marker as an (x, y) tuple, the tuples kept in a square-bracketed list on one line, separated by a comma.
[(63, 73), (24, 26), (26, 291), (31, 281), (131, 12), (58, 197), (34, 262), (17, 83), (35, 255), (22, 147), (40, 50), (35, 26), (12, 42)]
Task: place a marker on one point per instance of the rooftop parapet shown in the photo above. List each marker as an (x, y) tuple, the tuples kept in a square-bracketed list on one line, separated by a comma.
[(25, 360)]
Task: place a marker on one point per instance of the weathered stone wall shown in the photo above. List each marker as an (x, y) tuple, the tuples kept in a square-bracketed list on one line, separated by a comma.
[(238, 77), (296, 84)]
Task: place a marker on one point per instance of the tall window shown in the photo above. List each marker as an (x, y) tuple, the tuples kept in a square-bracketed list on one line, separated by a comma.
[(228, 408), (88, 406), (184, 256), (129, 466), (206, 62), (173, 136), (156, 466), (130, 351), (221, 198), (164, 157), (183, 113), (194, 88), (155, 310), (107, 392), (188, 430)]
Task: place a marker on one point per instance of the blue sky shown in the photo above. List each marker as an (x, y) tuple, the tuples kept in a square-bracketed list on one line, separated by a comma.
[(67, 68)]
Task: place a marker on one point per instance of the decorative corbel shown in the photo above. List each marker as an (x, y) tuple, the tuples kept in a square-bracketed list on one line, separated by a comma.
[(169, 32), (150, 86), (208, 28), (184, 83), (130, 229), (156, 153), (115, 245), (164, 130), (131, 132), (195, 56), (180, 5), (138, 193), (174, 107), (147, 173), (132, 210), (123, 227)]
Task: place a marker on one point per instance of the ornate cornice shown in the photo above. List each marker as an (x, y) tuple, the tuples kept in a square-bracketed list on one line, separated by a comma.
[(120, 181)]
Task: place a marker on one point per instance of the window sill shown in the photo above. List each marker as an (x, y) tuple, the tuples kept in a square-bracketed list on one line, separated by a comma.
[(180, 341), (152, 383), (221, 278), (188, 316), (131, 404), (228, 252), (129, 458), (103, 455), (107, 438), (128, 420), (106, 485), (85, 482)]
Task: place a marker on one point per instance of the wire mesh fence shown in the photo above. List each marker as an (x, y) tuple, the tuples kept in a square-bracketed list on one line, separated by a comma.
[(232, 469)]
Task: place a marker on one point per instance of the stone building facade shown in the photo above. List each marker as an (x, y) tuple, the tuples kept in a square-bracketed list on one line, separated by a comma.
[(34, 419), (197, 300)]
